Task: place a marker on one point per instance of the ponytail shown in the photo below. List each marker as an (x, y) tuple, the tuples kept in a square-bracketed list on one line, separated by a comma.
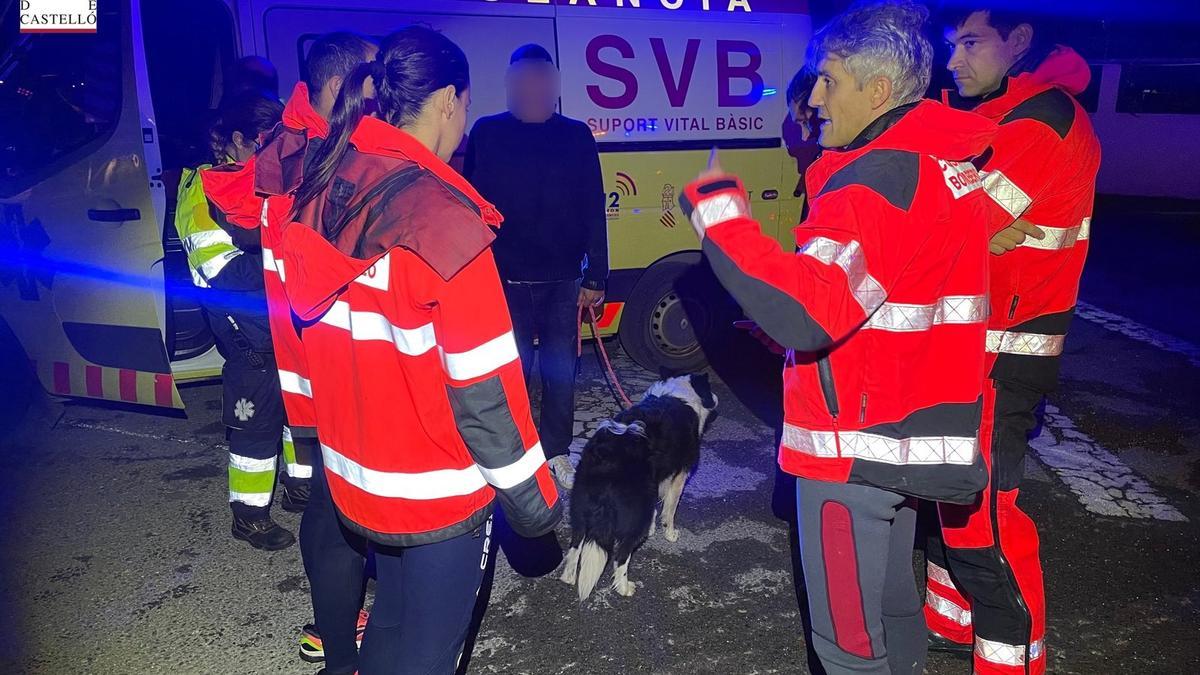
[(347, 113), (411, 65)]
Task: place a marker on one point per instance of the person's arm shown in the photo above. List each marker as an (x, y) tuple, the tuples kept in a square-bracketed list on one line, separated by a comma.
[(811, 299), (1017, 171), (487, 392), (592, 214)]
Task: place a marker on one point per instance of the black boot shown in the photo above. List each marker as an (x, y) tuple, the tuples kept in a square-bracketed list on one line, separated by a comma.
[(254, 526), (940, 643), (295, 494)]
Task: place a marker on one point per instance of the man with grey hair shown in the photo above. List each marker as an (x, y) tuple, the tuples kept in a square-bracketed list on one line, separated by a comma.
[(882, 310)]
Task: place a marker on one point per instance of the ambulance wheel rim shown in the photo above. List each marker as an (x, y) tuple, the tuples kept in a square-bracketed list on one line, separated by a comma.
[(671, 327)]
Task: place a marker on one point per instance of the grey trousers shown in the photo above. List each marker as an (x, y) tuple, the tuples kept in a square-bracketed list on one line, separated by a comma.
[(856, 543)]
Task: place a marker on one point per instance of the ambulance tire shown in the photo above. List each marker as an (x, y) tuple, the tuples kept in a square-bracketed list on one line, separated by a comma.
[(21, 386), (677, 313)]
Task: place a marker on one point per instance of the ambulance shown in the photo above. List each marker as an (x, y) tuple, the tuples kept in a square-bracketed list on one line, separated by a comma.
[(99, 121)]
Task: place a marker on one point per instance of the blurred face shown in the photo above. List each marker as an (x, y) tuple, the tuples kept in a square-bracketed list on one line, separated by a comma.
[(843, 107), (532, 87), (980, 58)]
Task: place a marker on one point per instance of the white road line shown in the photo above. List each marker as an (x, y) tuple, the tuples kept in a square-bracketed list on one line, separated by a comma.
[(1132, 329), (125, 432), (1102, 482)]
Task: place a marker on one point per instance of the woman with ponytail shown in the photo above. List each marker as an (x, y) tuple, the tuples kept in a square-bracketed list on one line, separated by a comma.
[(422, 411)]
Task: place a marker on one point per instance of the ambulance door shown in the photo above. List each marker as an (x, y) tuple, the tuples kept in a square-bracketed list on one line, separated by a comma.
[(81, 283)]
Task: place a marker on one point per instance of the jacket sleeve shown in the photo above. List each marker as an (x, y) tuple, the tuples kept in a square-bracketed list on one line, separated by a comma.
[(1019, 167), (593, 216), (813, 298), (487, 393)]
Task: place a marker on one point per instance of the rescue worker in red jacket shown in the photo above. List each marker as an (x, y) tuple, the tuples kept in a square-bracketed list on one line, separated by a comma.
[(986, 586), (333, 557), (422, 412), (882, 310)]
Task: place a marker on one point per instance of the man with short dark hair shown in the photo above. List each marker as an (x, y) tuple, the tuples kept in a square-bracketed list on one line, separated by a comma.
[(986, 585), (330, 60), (333, 556), (542, 171)]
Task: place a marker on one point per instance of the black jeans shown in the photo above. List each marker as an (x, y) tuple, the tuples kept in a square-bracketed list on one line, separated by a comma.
[(424, 600), (549, 311), (333, 560)]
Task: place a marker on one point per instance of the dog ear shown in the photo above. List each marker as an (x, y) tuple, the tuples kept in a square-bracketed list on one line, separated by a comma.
[(665, 373)]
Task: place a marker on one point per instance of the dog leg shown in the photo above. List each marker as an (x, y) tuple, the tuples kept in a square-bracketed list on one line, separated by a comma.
[(621, 582), (572, 567), (653, 522), (670, 503), (662, 489)]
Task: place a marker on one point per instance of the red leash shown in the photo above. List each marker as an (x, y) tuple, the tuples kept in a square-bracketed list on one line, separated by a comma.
[(610, 373)]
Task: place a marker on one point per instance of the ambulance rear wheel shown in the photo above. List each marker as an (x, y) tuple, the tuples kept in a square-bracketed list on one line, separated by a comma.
[(676, 313)]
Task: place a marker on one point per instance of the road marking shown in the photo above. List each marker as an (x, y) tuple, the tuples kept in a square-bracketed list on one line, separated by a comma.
[(1102, 482), (1132, 329), (90, 426)]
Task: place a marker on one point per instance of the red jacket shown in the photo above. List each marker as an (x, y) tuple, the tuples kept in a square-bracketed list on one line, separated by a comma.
[(1043, 170), (422, 410), (272, 176), (883, 305)]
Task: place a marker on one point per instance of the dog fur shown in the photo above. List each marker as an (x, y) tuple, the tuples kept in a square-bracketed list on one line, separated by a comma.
[(641, 456)]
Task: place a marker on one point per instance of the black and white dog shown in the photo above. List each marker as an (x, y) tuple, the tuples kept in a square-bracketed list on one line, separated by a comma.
[(642, 455)]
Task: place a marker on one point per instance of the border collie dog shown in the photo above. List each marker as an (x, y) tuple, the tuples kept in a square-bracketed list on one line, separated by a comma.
[(639, 457)]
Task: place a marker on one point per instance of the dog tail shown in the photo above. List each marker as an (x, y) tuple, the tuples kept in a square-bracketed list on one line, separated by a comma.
[(592, 559)]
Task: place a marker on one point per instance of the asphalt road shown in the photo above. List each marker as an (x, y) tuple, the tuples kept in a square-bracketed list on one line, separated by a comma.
[(117, 556)]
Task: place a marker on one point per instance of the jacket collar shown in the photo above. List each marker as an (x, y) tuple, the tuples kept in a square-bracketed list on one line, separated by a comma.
[(374, 136)]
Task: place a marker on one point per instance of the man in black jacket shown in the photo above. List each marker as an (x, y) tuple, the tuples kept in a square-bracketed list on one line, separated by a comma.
[(542, 170)]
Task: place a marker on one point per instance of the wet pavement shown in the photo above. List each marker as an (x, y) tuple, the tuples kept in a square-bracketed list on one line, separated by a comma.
[(117, 556)]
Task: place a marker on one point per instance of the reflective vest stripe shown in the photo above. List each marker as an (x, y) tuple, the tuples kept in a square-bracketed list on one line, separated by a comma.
[(875, 448)]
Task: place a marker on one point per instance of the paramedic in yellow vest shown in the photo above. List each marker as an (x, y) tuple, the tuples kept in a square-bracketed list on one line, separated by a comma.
[(226, 263)]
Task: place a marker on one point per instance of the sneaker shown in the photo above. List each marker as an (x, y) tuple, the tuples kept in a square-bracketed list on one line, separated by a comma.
[(312, 649), (262, 533), (563, 470), (295, 495)]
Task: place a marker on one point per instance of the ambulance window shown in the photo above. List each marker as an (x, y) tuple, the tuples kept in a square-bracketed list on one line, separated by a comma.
[(58, 94), (1160, 89)]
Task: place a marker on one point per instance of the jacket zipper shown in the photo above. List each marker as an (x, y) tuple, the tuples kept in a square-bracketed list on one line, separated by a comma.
[(862, 410), (1012, 309), (825, 375)]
